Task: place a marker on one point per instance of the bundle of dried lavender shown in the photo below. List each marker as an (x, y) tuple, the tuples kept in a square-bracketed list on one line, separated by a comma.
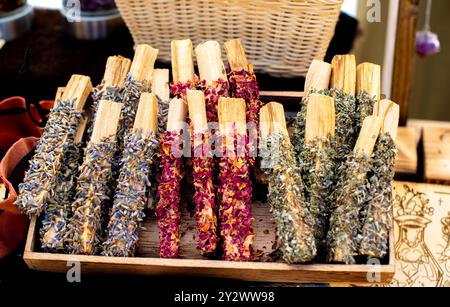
[(167, 209), (295, 223), (368, 89), (130, 196), (93, 191), (204, 197), (351, 194), (58, 211), (236, 189), (377, 216), (39, 182)]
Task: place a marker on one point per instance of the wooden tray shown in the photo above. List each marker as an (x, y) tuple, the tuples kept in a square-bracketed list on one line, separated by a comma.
[(191, 263)]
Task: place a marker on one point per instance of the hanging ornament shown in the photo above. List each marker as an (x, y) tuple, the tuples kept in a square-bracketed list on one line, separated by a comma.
[(427, 42)]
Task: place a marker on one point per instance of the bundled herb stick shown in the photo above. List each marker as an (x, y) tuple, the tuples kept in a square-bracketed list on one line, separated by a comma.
[(112, 85), (213, 77), (58, 209), (368, 91), (160, 87), (343, 84), (317, 81), (136, 83), (130, 198), (319, 164), (168, 207), (40, 180), (93, 183), (202, 160), (295, 223), (351, 192), (377, 219), (235, 186), (183, 73)]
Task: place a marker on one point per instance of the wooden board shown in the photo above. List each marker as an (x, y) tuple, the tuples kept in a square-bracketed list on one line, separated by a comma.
[(436, 147), (407, 142)]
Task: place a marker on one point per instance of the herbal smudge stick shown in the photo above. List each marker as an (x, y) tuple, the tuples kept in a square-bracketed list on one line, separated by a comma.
[(130, 198), (317, 81), (183, 73), (58, 210), (168, 207), (39, 182), (319, 164), (295, 223), (343, 84), (368, 91), (213, 77), (235, 186), (93, 183), (204, 197), (137, 82), (351, 192), (160, 87), (377, 220)]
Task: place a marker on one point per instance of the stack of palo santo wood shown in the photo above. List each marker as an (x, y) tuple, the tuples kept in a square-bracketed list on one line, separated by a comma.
[(102, 168)]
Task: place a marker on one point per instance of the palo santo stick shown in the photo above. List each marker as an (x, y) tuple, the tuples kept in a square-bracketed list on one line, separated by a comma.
[(212, 75), (117, 68), (130, 195), (318, 77), (168, 207), (202, 161), (160, 88), (143, 63), (294, 221), (368, 91), (60, 131), (351, 191), (377, 221), (236, 189), (343, 77), (93, 184), (317, 157), (182, 61), (57, 211), (236, 56)]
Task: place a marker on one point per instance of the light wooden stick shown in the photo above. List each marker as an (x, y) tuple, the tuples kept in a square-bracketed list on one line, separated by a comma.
[(368, 136), (236, 56), (320, 117), (273, 120), (232, 113), (368, 79), (177, 115), (117, 68), (78, 88), (389, 112), (182, 61), (318, 76), (106, 121), (143, 63), (343, 75), (146, 115), (81, 129), (197, 110), (160, 85), (209, 60)]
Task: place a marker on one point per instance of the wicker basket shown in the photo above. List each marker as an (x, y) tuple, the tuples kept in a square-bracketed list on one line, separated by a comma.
[(280, 37)]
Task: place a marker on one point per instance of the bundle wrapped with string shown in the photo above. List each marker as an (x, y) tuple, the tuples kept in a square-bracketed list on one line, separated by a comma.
[(168, 207), (41, 178), (130, 196), (84, 233), (351, 194), (295, 223), (377, 214), (58, 210), (235, 186), (202, 160)]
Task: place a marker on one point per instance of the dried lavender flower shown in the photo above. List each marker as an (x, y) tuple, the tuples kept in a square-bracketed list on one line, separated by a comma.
[(364, 108), (346, 136), (39, 183)]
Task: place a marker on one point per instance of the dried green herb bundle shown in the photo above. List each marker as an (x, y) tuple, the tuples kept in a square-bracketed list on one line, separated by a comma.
[(350, 196), (93, 191), (39, 183), (130, 197), (345, 126), (364, 108), (377, 220), (58, 209), (295, 223)]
